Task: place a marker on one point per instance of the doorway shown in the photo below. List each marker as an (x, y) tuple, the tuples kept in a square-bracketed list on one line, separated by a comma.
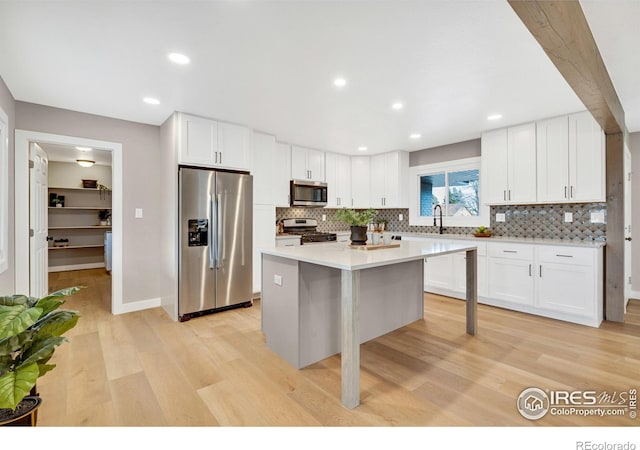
[(23, 141)]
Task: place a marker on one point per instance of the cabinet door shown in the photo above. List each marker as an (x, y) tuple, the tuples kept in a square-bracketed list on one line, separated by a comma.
[(396, 180), (511, 280), (264, 177), (552, 153), (315, 164), (299, 169), (360, 177), (234, 145), (522, 164), (198, 141), (282, 175), (331, 161), (586, 159), (567, 288), (264, 235), (378, 180), (493, 165), (438, 273), (343, 180)]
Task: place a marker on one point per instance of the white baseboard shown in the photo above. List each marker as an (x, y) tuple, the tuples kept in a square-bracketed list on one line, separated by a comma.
[(136, 306), (635, 294), (76, 267)]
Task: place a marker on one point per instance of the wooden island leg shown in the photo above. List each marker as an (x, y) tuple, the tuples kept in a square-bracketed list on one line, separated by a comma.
[(350, 357), (472, 291)]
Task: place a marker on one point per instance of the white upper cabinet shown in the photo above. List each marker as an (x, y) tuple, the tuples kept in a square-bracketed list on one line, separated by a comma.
[(571, 159), (509, 165), (338, 178), (587, 182), (307, 164), (360, 182), (553, 159), (271, 175), (282, 174), (209, 143), (389, 180), (234, 146)]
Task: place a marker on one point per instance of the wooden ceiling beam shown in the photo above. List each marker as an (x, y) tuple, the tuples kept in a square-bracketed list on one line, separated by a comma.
[(561, 28)]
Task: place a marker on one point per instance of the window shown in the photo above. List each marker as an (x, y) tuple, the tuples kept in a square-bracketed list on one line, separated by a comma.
[(454, 187)]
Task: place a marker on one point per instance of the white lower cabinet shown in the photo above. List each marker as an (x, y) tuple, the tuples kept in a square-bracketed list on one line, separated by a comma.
[(560, 282)]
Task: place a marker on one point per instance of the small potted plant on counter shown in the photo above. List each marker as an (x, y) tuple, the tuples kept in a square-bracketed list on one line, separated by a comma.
[(358, 221), (30, 330), (482, 232)]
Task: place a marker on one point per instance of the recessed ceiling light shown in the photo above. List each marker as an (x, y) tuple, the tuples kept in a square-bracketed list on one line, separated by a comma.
[(397, 105), (151, 100), (415, 136), (494, 117), (362, 148), (340, 82), (84, 149), (179, 58)]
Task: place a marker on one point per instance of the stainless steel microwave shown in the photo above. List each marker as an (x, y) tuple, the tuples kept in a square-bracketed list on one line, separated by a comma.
[(308, 193)]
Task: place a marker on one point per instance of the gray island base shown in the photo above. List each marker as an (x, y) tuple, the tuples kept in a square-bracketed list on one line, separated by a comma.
[(320, 300)]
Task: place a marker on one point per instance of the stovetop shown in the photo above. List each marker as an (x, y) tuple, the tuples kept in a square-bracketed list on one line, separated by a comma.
[(306, 229)]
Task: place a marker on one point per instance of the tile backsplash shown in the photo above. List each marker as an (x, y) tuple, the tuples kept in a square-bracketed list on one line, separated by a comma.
[(534, 221)]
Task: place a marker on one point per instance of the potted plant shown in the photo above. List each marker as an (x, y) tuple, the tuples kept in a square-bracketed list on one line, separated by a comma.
[(30, 330), (105, 216), (56, 202), (358, 221)]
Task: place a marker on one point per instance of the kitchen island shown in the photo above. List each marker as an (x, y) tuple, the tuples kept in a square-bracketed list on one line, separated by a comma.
[(319, 300)]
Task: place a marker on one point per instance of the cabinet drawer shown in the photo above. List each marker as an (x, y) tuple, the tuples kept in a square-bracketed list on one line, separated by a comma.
[(510, 251), (565, 255)]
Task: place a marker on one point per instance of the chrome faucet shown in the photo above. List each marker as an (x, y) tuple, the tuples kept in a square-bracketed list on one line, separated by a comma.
[(434, 217)]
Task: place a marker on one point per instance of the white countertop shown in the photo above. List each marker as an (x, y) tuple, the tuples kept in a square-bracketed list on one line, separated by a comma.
[(341, 256)]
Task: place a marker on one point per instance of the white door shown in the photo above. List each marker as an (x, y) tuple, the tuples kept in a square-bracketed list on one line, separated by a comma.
[(627, 225), (38, 202), (521, 164), (552, 153), (494, 161)]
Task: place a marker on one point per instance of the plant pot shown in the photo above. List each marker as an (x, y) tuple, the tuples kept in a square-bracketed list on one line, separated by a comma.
[(25, 414), (358, 235)]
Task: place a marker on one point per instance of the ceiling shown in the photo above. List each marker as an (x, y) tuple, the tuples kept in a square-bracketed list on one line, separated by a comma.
[(64, 153), (271, 65)]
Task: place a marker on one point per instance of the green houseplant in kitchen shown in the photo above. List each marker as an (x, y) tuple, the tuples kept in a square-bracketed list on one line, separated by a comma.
[(30, 330), (358, 220)]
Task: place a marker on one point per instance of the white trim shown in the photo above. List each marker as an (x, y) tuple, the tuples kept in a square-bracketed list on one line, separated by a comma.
[(21, 232), (137, 306), (4, 191), (415, 172), (635, 295), (76, 267)]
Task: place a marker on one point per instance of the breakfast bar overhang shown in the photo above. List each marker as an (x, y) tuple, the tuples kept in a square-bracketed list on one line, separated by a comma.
[(323, 299)]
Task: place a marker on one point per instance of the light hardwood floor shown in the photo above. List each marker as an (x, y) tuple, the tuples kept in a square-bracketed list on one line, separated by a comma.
[(142, 369)]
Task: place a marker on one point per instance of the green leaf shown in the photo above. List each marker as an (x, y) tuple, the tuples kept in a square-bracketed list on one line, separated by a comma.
[(40, 351), (61, 293), (56, 323), (18, 300), (17, 318), (14, 386), (44, 368), (14, 343)]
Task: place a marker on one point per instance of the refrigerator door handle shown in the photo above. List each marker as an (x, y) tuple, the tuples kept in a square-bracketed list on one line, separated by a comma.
[(219, 227), (211, 225)]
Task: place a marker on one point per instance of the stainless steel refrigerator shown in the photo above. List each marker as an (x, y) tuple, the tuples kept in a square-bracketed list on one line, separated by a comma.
[(215, 255)]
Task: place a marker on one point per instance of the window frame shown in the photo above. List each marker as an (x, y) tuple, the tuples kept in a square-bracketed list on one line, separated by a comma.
[(416, 172)]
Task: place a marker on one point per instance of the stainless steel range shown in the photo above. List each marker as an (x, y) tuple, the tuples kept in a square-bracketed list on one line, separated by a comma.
[(307, 230)]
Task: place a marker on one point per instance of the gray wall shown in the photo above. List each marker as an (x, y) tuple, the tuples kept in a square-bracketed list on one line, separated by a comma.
[(634, 147), (7, 103), (142, 187), (450, 152)]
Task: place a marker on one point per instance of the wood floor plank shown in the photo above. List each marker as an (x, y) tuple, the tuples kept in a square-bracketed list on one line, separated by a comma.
[(142, 369)]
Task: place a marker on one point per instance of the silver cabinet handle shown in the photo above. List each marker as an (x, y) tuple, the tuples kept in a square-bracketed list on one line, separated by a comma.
[(509, 194), (504, 195), (219, 223), (529, 269), (571, 191), (565, 192), (540, 270), (220, 157), (565, 256), (510, 251)]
